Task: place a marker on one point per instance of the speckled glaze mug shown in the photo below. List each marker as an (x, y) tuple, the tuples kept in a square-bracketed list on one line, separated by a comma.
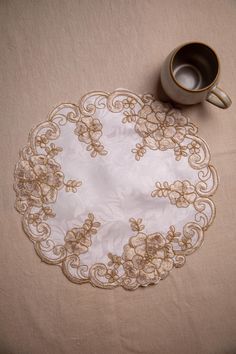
[(190, 75)]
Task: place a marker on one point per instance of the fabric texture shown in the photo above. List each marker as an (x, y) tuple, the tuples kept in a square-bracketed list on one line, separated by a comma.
[(54, 52)]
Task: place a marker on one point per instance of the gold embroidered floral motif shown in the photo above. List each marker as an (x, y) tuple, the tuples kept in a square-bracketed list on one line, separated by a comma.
[(146, 258), (38, 179), (78, 239), (161, 128), (89, 131), (181, 194)]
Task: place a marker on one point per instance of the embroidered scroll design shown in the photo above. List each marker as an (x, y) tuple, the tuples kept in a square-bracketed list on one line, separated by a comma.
[(147, 257)]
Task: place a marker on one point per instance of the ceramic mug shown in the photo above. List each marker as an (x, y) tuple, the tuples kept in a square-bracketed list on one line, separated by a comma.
[(190, 75)]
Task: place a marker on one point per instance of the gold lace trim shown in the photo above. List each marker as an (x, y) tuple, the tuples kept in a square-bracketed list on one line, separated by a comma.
[(146, 258)]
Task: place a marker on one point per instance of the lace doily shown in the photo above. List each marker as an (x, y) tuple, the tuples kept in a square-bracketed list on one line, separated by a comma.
[(115, 189)]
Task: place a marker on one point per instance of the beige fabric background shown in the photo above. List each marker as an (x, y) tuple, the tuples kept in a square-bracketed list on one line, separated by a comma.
[(54, 51)]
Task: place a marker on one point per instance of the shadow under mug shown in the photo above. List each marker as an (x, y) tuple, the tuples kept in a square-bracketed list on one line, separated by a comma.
[(190, 75)]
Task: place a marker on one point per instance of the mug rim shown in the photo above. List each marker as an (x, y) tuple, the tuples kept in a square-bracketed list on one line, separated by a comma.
[(172, 73)]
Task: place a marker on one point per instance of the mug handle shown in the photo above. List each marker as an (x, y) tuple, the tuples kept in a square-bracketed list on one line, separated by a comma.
[(219, 98)]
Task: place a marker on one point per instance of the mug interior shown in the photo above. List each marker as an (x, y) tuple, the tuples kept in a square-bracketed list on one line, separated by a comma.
[(195, 66)]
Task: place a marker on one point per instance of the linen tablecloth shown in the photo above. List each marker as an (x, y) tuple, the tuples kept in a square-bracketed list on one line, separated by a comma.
[(54, 52)]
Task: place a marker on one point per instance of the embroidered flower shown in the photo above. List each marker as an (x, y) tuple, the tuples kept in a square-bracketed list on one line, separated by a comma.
[(182, 194), (78, 239), (129, 102), (34, 219), (180, 151), (194, 147), (139, 151), (38, 179), (41, 140), (52, 150), (147, 258), (89, 131), (112, 275), (161, 191), (47, 213), (160, 127), (185, 243)]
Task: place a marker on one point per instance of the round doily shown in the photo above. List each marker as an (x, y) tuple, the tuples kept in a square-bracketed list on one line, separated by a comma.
[(115, 189)]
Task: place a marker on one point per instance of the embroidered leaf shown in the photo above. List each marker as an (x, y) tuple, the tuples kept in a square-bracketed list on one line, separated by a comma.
[(129, 117), (93, 153), (52, 150), (93, 231), (136, 225), (103, 152), (72, 185), (89, 131), (96, 224), (161, 191), (91, 216), (172, 235), (139, 151)]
